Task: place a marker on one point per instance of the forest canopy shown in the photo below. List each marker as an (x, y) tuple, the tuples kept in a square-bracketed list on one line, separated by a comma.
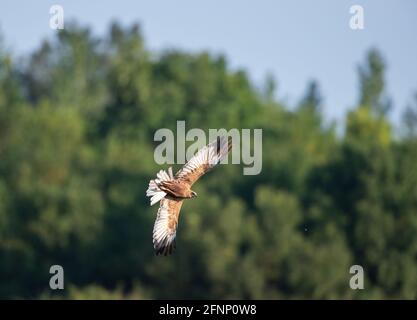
[(77, 122)]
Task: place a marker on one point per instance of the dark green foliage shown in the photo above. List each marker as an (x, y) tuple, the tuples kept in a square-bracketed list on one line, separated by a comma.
[(77, 120)]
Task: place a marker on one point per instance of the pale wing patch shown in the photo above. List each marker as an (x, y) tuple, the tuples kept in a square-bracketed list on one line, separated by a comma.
[(165, 227), (154, 192)]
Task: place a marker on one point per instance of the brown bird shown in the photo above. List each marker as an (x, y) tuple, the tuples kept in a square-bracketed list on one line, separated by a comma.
[(171, 190)]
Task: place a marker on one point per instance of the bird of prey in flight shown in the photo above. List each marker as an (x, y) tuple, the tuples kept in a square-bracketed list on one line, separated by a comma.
[(172, 190)]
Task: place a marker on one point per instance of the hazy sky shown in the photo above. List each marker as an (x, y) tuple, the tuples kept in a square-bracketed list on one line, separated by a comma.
[(294, 40)]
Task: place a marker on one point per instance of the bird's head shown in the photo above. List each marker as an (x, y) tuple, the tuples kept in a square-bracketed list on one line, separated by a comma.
[(193, 194)]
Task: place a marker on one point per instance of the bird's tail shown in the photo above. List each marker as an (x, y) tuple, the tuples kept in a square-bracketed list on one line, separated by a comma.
[(154, 192)]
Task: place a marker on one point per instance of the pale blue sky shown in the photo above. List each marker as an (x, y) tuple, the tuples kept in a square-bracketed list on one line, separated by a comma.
[(293, 40)]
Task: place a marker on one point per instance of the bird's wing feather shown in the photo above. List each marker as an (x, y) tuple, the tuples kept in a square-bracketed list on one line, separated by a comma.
[(204, 160), (165, 227)]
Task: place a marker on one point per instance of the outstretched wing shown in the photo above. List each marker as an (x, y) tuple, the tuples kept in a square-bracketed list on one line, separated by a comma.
[(165, 227), (204, 160)]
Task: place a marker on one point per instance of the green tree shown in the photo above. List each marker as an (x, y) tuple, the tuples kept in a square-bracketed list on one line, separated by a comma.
[(372, 83)]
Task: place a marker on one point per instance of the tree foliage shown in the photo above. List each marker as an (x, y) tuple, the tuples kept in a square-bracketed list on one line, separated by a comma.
[(77, 120)]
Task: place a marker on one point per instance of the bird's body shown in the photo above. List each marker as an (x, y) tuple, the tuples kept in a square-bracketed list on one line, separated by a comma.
[(177, 189), (172, 190)]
